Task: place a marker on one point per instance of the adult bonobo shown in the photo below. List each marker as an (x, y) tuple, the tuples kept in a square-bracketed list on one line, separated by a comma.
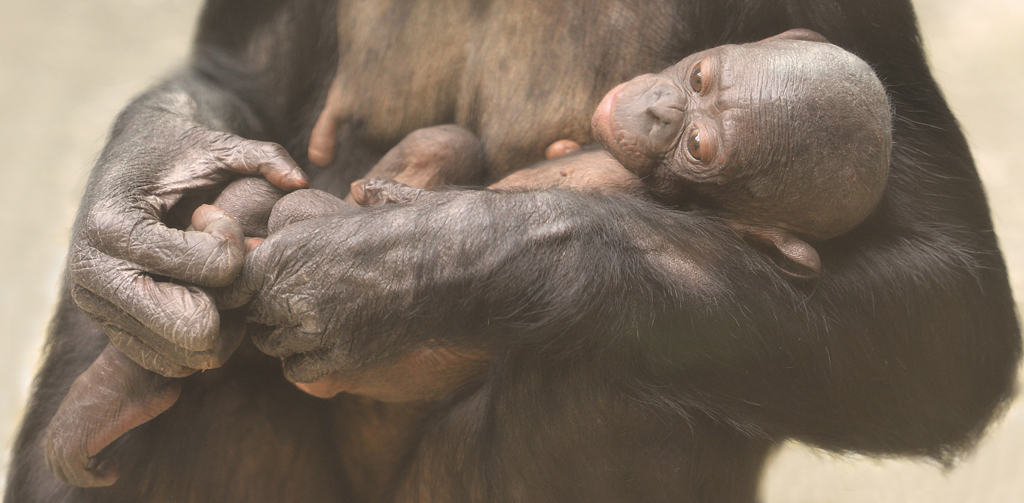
[(634, 352)]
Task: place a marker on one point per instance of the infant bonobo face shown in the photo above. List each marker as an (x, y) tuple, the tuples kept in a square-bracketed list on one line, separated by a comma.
[(790, 134)]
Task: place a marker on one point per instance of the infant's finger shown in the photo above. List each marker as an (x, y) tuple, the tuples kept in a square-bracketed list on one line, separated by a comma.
[(560, 148), (218, 223), (322, 138), (379, 190)]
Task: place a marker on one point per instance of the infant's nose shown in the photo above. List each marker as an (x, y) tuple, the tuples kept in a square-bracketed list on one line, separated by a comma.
[(665, 115)]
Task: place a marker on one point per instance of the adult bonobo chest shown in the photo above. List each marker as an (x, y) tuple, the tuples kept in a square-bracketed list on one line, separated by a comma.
[(519, 73)]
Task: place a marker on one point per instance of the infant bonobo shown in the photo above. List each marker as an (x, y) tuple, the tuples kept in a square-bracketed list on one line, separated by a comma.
[(785, 140)]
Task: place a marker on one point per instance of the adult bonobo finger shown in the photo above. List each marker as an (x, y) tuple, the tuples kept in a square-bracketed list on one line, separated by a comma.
[(251, 157), (384, 191), (200, 258), (184, 315), (111, 397), (145, 347), (249, 282)]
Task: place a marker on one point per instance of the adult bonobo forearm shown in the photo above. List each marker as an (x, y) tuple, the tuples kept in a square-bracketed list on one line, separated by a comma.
[(704, 318), (171, 143), (481, 269)]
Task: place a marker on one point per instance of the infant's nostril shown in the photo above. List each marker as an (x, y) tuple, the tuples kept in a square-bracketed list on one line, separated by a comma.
[(664, 111), (660, 114)]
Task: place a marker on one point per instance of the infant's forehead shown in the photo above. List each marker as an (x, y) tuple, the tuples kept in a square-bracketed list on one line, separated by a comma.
[(746, 62)]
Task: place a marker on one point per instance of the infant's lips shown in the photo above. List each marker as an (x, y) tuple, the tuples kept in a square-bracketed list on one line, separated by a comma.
[(602, 120)]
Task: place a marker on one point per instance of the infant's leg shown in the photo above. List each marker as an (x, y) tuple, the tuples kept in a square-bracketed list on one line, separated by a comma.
[(111, 397)]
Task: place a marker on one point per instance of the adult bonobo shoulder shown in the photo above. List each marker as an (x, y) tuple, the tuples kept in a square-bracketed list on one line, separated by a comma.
[(634, 351)]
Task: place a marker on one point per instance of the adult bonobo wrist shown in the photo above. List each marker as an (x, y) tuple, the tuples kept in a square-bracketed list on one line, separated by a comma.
[(122, 249)]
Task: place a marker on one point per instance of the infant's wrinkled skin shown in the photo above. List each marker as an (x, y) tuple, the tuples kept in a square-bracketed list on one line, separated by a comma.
[(790, 132), (115, 394), (787, 139)]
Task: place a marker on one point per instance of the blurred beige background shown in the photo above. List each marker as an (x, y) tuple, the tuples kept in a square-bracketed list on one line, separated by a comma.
[(68, 66)]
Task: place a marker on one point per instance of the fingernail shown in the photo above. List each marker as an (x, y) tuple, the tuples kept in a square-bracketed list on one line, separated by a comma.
[(358, 191), (298, 178)]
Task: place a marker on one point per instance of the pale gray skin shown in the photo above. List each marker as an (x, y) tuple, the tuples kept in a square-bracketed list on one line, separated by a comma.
[(788, 139)]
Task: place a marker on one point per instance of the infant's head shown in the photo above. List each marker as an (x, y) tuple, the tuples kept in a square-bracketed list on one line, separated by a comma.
[(788, 139), (790, 133)]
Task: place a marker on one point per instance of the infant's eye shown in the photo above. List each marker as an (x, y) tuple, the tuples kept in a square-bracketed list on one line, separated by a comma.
[(696, 80), (693, 143)]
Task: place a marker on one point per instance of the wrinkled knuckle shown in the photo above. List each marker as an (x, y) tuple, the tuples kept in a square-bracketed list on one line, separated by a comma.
[(105, 226), (219, 140), (223, 269), (271, 151), (82, 298), (213, 262), (195, 328), (84, 262)]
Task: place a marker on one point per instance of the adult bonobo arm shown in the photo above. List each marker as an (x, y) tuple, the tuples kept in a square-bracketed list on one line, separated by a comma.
[(906, 343), (716, 327)]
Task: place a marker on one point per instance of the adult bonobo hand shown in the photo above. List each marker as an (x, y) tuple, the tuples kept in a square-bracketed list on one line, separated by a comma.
[(122, 242), (316, 280)]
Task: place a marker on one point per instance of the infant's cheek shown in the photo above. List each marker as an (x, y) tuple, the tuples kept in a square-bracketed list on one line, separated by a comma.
[(602, 123)]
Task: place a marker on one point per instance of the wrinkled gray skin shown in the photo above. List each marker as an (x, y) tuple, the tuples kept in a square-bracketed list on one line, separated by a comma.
[(645, 353), (787, 139), (113, 268), (649, 124), (115, 394)]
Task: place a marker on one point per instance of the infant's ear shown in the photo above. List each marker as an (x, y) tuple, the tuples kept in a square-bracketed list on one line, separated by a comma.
[(792, 255), (799, 34)]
